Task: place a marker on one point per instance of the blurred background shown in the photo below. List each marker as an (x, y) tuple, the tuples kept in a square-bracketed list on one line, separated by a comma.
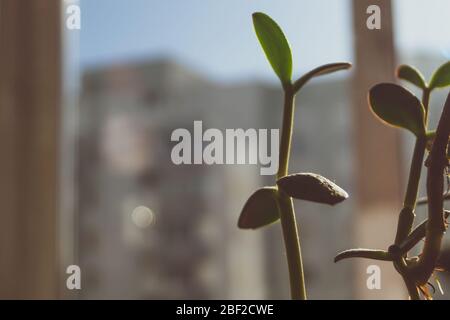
[(86, 118)]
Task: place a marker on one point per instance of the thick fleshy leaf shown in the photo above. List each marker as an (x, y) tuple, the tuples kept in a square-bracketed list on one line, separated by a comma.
[(397, 107), (412, 75), (275, 46), (260, 209), (312, 187), (320, 71), (441, 78)]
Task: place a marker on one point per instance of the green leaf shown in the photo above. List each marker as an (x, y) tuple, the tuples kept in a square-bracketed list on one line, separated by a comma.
[(397, 107), (441, 78), (312, 187), (275, 46), (412, 75), (322, 70), (260, 209)]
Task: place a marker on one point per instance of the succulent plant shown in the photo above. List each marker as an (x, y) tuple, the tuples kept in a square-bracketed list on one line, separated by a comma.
[(270, 204), (398, 107)]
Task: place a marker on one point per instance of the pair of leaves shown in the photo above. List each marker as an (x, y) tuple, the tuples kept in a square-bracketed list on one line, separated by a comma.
[(398, 107), (278, 52), (440, 78), (262, 207)]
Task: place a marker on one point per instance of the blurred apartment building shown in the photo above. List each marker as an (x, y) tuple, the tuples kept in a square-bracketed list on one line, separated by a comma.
[(193, 248)]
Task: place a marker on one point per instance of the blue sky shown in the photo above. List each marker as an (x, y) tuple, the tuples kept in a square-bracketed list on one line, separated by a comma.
[(216, 37)]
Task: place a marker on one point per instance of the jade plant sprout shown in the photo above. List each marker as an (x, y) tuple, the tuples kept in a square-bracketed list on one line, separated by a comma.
[(398, 107), (270, 204)]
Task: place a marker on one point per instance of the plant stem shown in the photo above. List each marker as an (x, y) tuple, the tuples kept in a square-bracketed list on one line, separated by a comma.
[(288, 221), (402, 268), (414, 174), (286, 133), (435, 186), (417, 235), (412, 288), (407, 215), (293, 251), (425, 103), (406, 218)]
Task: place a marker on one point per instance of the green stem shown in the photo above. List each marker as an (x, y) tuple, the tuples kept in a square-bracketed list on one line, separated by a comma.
[(292, 244), (288, 221), (286, 133), (425, 103), (414, 174), (406, 218)]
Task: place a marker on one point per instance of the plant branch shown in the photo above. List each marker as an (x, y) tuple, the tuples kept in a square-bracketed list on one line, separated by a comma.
[(412, 289), (406, 217), (437, 162), (402, 268), (416, 235)]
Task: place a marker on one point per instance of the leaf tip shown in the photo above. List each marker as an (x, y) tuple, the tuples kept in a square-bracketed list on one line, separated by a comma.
[(412, 75), (441, 77), (275, 45)]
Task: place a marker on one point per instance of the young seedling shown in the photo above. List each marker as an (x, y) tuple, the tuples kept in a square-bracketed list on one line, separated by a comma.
[(270, 204), (398, 107)]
